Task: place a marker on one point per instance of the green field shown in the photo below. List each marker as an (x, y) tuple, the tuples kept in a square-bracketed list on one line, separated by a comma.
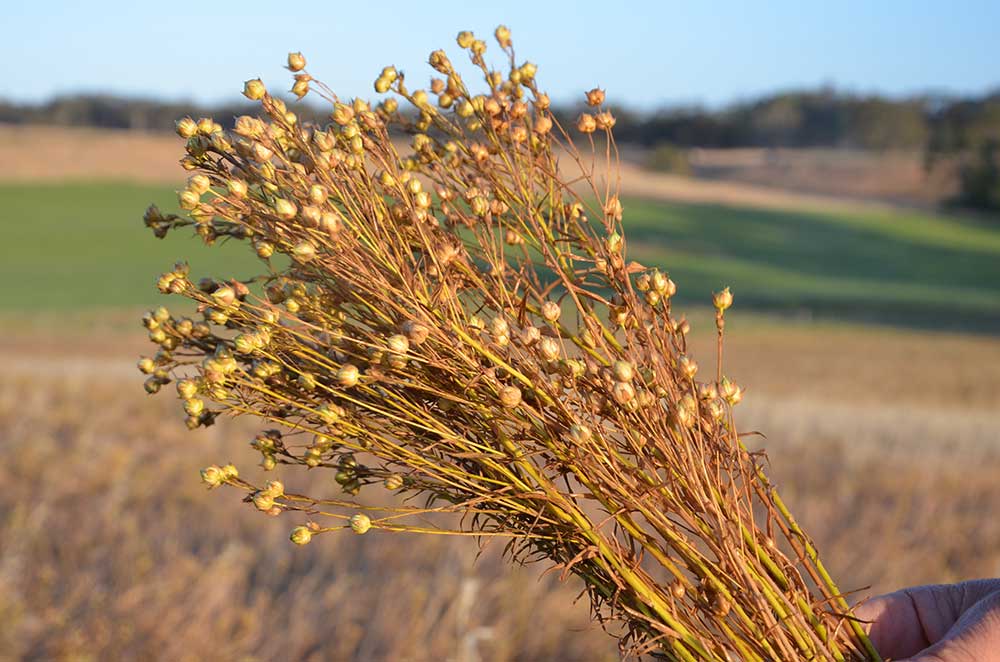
[(84, 246)]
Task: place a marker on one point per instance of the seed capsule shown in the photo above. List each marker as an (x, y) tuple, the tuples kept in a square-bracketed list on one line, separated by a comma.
[(186, 127), (263, 501), (510, 396), (595, 97), (502, 34), (213, 476), (348, 375), (398, 344), (551, 311), (187, 388), (296, 62), (254, 89), (623, 393), (586, 123), (415, 332), (623, 371), (549, 348), (301, 535), (304, 251), (360, 523), (393, 482), (722, 300), (688, 366), (285, 209)]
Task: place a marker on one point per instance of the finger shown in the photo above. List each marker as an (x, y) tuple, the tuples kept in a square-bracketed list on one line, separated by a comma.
[(893, 625), (908, 621), (975, 637)]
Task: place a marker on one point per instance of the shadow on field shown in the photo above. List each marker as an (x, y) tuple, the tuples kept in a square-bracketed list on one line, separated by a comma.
[(893, 268)]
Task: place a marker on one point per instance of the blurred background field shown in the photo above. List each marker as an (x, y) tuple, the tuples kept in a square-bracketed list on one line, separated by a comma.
[(863, 248)]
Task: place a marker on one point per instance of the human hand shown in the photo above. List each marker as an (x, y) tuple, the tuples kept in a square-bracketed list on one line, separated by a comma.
[(941, 623)]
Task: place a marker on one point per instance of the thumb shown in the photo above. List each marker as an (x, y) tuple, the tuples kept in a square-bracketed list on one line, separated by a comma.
[(975, 636)]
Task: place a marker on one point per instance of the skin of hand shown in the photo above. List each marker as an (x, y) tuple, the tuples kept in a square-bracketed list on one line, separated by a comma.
[(940, 623)]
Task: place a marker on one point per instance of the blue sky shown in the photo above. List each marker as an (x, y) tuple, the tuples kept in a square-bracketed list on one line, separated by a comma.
[(649, 53)]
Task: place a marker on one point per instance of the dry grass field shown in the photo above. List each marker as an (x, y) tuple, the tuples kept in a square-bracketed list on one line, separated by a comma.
[(884, 442), (898, 176)]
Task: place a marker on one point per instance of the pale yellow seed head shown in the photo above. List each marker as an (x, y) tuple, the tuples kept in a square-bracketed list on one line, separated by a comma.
[(348, 375), (301, 535), (551, 311), (502, 34), (595, 97), (510, 396), (722, 300), (213, 476), (187, 388), (361, 523), (398, 344), (254, 89), (304, 251), (296, 62), (285, 209), (548, 348), (237, 187), (188, 199), (623, 371), (263, 501), (186, 127), (688, 366)]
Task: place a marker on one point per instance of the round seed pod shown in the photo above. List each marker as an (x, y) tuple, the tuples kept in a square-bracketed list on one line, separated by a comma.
[(301, 535), (263, 501), (623, 371), (688, 366), (549, 348), (551, 311), (398, 344), (360, 523), (187, 388), (623, 393), (213, 476), (393, 482), (510, 396), (415, 332), (296, 62), (348, 375)]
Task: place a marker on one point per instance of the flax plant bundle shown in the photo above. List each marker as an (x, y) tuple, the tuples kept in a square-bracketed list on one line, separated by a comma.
[(455, 323)]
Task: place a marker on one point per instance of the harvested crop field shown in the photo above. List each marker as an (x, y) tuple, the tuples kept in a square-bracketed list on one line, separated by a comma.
[(888, 458)]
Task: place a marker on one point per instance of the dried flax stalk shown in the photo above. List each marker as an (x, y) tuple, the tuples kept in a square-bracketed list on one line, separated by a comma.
[(455, 321)]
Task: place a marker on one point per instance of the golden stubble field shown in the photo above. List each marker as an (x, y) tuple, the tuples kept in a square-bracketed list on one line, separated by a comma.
[(884, 442)]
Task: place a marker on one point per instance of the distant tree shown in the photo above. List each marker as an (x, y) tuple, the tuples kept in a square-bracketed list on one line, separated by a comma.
[(980, 177), (880, 124)]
